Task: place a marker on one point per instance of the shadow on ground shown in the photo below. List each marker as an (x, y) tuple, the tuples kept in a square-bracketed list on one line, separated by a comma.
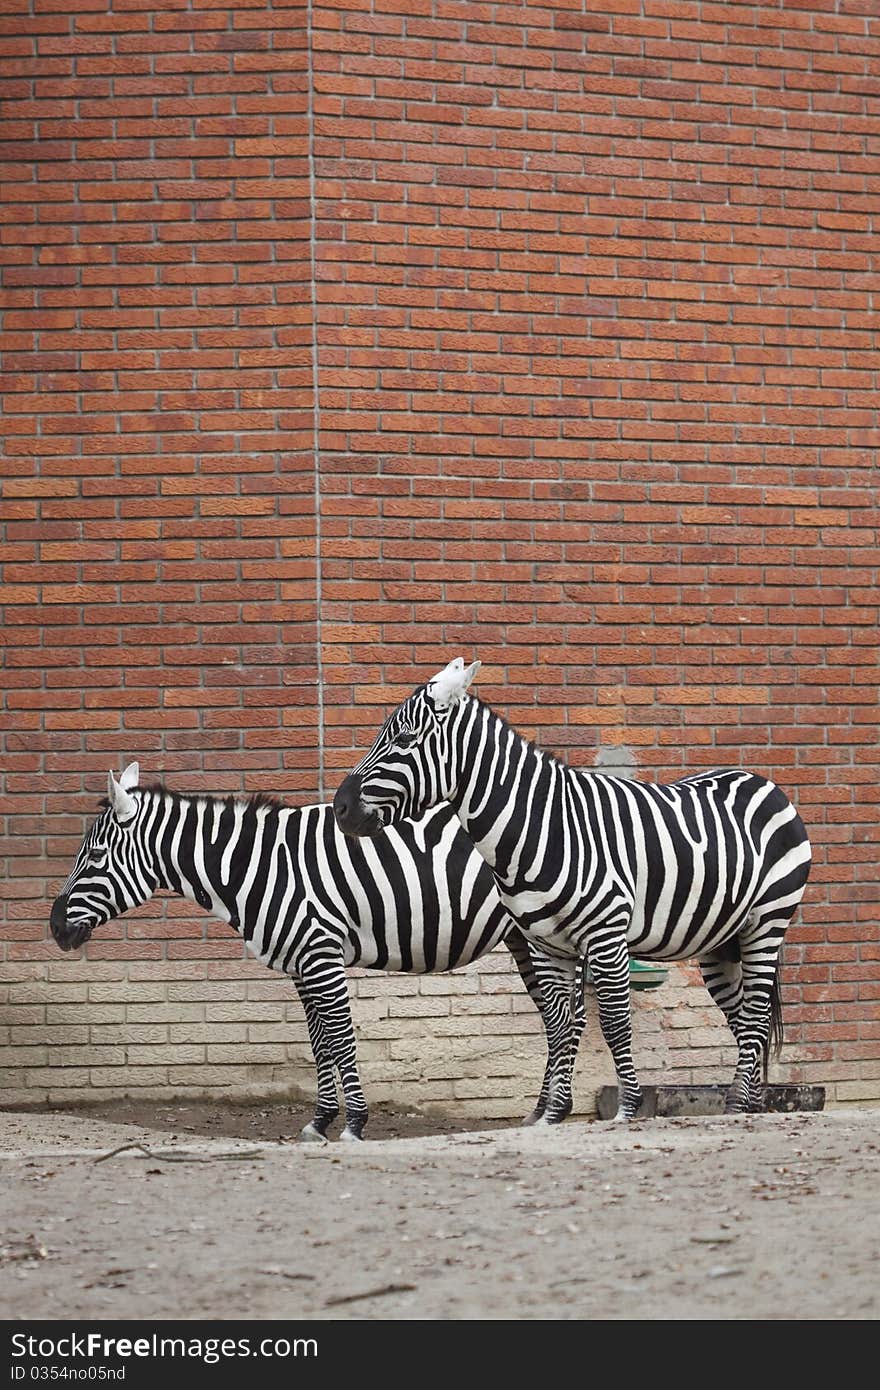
[(267, 1121)]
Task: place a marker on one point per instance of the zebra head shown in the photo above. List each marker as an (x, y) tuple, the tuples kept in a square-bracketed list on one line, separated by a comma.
[(108, 875), (410, 767)]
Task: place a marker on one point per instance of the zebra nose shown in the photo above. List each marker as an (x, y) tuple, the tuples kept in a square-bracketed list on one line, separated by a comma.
[(346, 800), (58, 919)]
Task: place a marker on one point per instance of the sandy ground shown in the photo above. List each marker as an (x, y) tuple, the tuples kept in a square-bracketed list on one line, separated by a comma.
[(764, 1217), (263, 1120)]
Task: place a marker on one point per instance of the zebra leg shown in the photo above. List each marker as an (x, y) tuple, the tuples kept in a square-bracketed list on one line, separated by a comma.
[(722, 976), (577, 1004), (326, 1105), (609, 965), (556, 980), (753, 1032), (723, 979), (519, 948), (757, 1090), (579, 1011), (760, 944), (327, 986)]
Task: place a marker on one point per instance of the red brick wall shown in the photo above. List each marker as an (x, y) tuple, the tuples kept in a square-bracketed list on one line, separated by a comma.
[(598, 402), (596, 357), (159, 581)]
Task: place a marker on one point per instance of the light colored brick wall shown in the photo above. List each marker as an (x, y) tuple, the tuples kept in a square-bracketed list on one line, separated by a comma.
[(467, 1043), (586, 292)]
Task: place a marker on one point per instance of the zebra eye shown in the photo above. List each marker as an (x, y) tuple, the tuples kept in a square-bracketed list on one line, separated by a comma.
[(99, 856), (406, 738)]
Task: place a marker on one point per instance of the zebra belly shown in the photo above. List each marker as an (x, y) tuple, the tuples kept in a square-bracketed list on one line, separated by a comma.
[(361, 950), (658, 922), (686, 939), (664, 941)]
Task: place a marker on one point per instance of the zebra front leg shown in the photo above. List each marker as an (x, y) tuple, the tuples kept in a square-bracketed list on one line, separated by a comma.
[(609, 965), (327, 985), (556, 981), (326, 1105)]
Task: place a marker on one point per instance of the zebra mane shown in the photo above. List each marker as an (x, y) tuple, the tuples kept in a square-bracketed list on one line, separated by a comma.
[(533, 747), (255, 801)]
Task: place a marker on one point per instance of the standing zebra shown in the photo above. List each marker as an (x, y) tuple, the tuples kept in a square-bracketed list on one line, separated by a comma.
[(597, 867), (307, 901)]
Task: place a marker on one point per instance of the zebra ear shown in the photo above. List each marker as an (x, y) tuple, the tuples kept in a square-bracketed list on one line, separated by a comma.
[(123, 804), (450, 685), (130, 777)]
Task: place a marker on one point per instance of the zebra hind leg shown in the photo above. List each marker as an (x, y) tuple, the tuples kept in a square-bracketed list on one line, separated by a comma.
[(723, 978), (757, 1090), (752, 1035), (760, 1016), (760, 942), (556, 980), (559, 1071), (578, 1010), (521, 951), (541, 1103), (609, 966), (519, 948), (328, 989), (326, 1105)]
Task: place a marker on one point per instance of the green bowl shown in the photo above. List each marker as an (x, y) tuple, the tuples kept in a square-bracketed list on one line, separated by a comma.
[(646, 976), (641, 976)]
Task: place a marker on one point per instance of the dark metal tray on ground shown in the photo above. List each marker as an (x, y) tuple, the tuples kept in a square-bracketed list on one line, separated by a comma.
[(667, 1101)]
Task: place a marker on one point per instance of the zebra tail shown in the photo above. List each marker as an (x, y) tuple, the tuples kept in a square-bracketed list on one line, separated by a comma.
[(777, 1030)]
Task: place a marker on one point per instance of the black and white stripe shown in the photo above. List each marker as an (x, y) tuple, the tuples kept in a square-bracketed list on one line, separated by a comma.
[(307, 901), (596, 868)]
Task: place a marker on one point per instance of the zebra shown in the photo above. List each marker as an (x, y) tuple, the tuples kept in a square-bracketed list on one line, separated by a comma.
[(595, 867), (307, 901)]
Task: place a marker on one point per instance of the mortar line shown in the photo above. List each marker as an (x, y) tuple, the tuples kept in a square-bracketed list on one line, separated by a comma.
[(316, 412)]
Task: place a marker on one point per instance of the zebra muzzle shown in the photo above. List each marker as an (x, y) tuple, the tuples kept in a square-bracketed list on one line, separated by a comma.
[(67, 935), (352, 816)]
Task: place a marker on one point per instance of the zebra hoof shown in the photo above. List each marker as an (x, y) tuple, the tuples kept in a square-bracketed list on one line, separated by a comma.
[(536, 1116), (560, 1114), (311, 1135), (348, 1136)]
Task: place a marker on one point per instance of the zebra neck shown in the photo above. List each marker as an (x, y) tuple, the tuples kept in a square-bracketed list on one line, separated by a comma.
[(199, 845), (505, 790)]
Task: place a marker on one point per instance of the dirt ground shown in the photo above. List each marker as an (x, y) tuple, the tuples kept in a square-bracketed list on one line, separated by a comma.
[(759, 1217), (271, 1121)]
